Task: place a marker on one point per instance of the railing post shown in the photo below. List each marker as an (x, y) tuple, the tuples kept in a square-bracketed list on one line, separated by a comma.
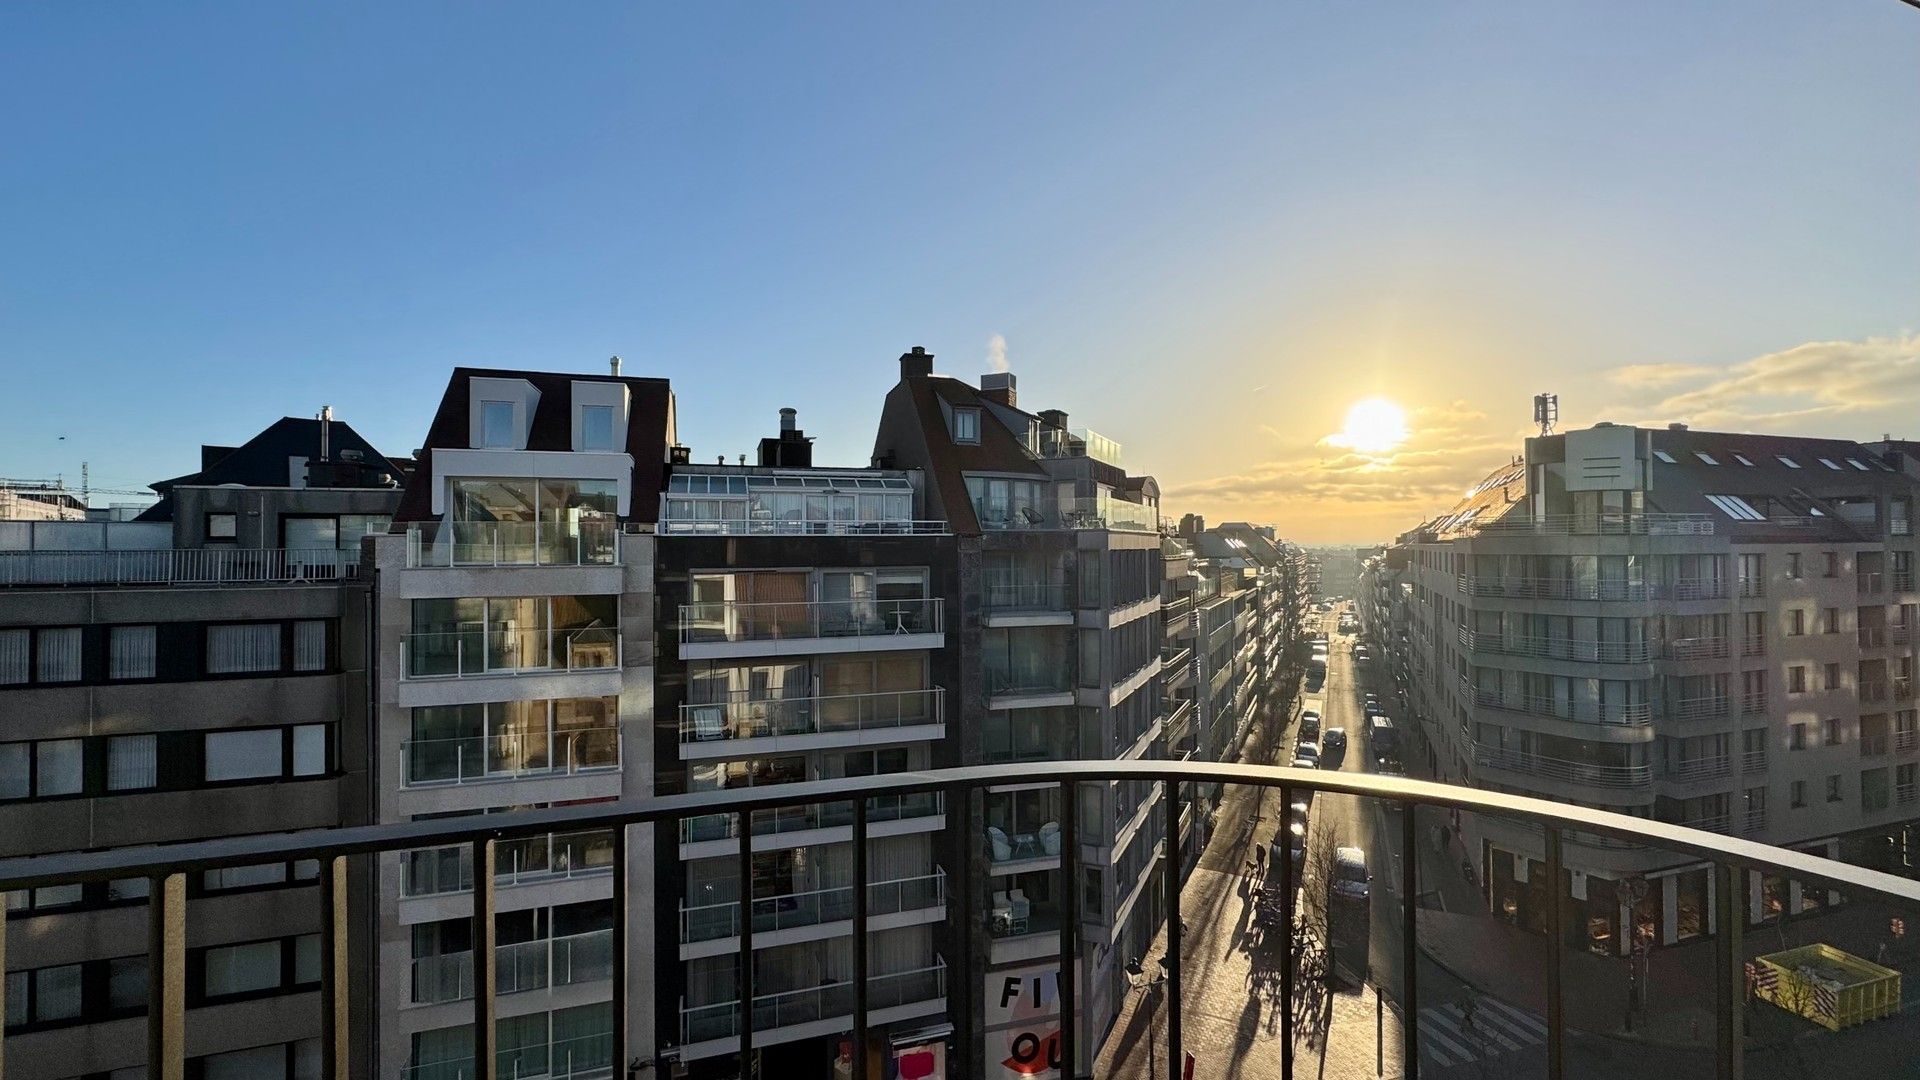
[(1730, 916), (1069, 924), (3, 983), (335, 1048), (1556, 945), (743, 822), (1170, 796), (1409, 943), (167, 978), (1291, 955), (485, 962), (860, 939), (617, 942)]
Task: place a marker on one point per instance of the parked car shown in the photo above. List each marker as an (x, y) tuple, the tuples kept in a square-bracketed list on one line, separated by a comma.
[(1309, 750), (1351, 881), (1310, 725), (1334, 739)]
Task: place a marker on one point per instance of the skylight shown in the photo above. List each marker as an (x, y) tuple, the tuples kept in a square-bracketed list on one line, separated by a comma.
[(1664, 456), (1787, 461), (1829, 463), (1856, 464), (1736, 508), (1742, 459), (1704, 456)]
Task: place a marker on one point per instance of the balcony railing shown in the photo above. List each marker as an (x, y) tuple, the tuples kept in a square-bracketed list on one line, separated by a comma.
[(1623, 777), (1903, 581), (852, 1003), (1118, 515), (721, 919), (509, 756), (1632, 714), (1906, 794), (1697, 648), (518, 968), (748, 714), (481, 652), (1696, 589), (1596, 652), (1006, 682), (1753, 702), (1901, 688), (1873, 637), (1704, 707), (1753, 645), (1754, 821), (1613, 524), (1870, 581), (179, 566), (1906, 741), (1555, 588), (531, 860), (1696, 769), (727, 621), (768, 526), (588, 542), (1753, 761), (1021, 592), (788, 819)]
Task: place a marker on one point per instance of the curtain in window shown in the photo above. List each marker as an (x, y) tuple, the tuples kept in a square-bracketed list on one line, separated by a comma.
[(310, 645), (57, 992), (58, 767), (132, 653), (245, 647), (14, 649), (131, 763), (310, 750), (242, 755), (60, 655)]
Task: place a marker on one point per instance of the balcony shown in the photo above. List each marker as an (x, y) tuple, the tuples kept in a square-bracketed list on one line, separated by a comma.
[(1117, 515), (1873, 637), (1631, 714), (1016, 599), (518, 968), (1905, 742), (794, 819), (1754, 821), (1694, 770), (864, 997), (1697, 589), (1753, 761), (1697, 648), (1609, 524), (1704, 707), (737, 725), (1753, 702), (1870, 581), (1591, 652), (815, 907), (179, 566), (1616, 777), (1027, 687), (533, 860), (725, 629), (1554, 588), (483, 653), (443, 545), (510, 756)]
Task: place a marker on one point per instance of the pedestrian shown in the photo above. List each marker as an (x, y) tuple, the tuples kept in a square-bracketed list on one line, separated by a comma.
[(1260, 859)]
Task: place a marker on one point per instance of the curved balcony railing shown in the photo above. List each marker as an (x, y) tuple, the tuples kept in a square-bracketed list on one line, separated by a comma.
[(748, 714), (1629, 714), (1592, 652), (1618, 777), (856, 998), (1556, 588)]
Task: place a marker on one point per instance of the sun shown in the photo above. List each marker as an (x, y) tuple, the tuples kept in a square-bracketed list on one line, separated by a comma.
[(1374, 426)]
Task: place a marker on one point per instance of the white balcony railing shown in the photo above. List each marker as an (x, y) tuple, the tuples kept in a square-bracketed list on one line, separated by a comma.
[(719, 621), (510, 756), (1622, 777), (1555, 588), (721, 919), (1630, 714), (1705, 707), (748, 714), (178, 566), (587, 542), (518, 968), (528, 860), (832, 1001), (477, 652), (1696, 769)]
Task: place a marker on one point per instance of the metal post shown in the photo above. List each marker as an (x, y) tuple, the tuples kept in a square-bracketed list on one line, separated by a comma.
[(743, 823), (1170, 797), (860, 939), (3, 983), (1409, 950), (1729, 984), (486, 1065), (167, 978), (619, 945), (1556, 945), (335, 1057), (1069, 924), (1290, 957)]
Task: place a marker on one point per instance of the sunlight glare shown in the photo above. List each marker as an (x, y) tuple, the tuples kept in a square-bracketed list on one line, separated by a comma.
[(1374, 426)]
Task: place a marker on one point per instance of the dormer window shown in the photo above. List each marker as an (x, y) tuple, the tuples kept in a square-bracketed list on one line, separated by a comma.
[(596, 427), (496, 425), (966, 425)]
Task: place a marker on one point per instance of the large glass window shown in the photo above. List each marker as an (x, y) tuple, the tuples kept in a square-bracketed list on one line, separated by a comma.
[(243, 755), (16, 647), (59, 656), (57, 767), (132, 764), (242, 969), (496, 425), (310, 645), (243, 647), (596, 427), (131, 652)]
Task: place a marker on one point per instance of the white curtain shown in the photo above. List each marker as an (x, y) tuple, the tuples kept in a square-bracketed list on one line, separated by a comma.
[(310, 645), (13, 656), (131, 763), (60, 655), (132, 653), (245, 647)]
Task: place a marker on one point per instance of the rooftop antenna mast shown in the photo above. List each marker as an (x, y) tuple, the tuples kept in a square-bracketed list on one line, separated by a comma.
[(1546, 411)]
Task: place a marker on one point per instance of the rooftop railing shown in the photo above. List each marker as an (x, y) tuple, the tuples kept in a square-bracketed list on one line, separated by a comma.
[(770, 526), (848, 1003), (179, 566), (1620, 524), (587, 542)]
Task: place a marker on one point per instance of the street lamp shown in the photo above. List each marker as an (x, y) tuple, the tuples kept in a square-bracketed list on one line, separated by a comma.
[(1138, 981)]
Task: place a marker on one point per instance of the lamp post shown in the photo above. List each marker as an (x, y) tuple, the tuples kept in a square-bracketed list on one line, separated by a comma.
[(1139, 982)]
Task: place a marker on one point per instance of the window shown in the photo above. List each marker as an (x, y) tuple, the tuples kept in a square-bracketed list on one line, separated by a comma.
[(242, 969), (1743, 459), (243, 647), (1831, 728), (1832, 681), (58, 655), (257, 876), (57, 767), (310, 533), (1787, 461), (1797, 794), (1829, 463), (1705, 457), (496, 425), (1831, 560), (127, 984), (310, 750), (1736, 508), (130, 652), (1830, 621), (1797, 737), (1796, 622), (310, 645), (1797, 679), (1833, 788), (243, 755), (223, 527), (596, 427), (966, 425), (16, 649), (1664, 456), (1793, 565), (46, 995), (132, 764)]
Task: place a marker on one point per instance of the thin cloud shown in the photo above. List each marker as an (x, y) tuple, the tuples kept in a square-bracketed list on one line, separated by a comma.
[(1639, 376), (1813, 381)]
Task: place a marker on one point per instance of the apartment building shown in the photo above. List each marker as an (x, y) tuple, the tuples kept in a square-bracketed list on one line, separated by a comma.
[(512, 626), (805, 633), (185, 676), (1705, 628)]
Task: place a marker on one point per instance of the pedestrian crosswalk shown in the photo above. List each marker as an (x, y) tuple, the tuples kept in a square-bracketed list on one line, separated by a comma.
[(1456, 1034)]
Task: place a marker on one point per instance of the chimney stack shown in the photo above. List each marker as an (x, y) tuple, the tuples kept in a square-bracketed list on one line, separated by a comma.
[(917, 364), (326, 432), (786, 420), (1054, 418), (792, 450), (680, 455), (614, 362), (999, 386)]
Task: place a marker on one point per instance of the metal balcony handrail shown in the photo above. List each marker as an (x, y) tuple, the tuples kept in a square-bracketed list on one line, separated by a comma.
[(1697, 648), (1624, 777), (508, 756), (832, 1000), (1598, 652), (1692, 769), (483, 652), (1556, 588), (536, 964), (445, 544), (169, 866), (728, 620), (811, 907), (1703, 707), (584, 1057), (1606, 524), (749, 714), (180, 566), (1631, 714), (769, 526), (445, 871), (1002, 590)]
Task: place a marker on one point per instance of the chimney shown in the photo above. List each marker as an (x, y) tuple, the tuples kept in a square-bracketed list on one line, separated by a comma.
[(1676, 427), (680, 455), (326, 432), (1054, 418), (792, 450), (999, 386), (787, 417), (614, 363), (917, 364)]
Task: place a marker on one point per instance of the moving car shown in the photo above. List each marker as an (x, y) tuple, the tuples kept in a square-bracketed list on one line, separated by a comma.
[(1350, 878), (1334, 745)]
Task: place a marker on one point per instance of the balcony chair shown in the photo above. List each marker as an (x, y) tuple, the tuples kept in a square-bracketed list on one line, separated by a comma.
[(1002, 848), (1050, 838), (1022, 910)]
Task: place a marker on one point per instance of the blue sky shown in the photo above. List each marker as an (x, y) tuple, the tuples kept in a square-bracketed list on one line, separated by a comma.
[(1204, 230)]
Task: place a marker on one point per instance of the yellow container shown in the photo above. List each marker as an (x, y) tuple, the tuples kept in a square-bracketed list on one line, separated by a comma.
[(1832, 988)]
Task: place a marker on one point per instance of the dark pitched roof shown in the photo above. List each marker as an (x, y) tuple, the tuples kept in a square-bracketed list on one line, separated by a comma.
[(262, 460), (649, 418), (913, 432)]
